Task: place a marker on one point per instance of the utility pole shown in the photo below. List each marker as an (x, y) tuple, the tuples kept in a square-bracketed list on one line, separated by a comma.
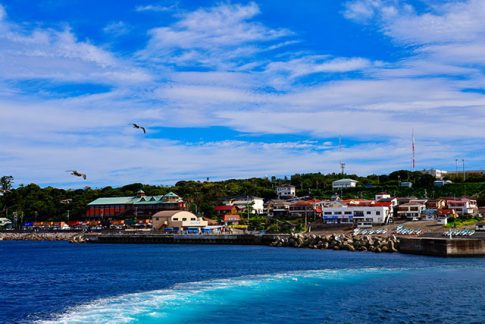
[(456, 169), (464, 174), (464, 177)]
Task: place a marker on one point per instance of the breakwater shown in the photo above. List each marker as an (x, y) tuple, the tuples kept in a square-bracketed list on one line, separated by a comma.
[(335, 241), (362, 243), (75, 237)]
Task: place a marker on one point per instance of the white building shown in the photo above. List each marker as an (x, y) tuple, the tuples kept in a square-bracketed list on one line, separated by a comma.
[(243, 202), (382, 195), (177, 220), (344, 183), (438, 174), (286, 191), (414, 209), (463, 206), (358, 215)]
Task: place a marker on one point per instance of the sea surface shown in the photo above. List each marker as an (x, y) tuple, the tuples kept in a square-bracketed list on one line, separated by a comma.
[(52, 282)]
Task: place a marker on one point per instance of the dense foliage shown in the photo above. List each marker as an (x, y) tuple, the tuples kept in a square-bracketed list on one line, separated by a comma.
[(36, 203)]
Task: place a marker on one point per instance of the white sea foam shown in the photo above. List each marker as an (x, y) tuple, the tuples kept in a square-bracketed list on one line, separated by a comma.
[(157, 305)]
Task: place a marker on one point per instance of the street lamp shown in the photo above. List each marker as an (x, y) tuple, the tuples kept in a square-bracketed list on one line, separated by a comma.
[(67, 202)]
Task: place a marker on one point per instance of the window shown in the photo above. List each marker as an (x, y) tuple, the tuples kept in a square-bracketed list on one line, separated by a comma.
[(175, 219), (348, 213), (184, 219), (193, 219), (338, 213), (378, 212), (368, 213), (327, 213)]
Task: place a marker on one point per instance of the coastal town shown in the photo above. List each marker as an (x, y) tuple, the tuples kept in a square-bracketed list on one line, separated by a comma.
[(382, 215)]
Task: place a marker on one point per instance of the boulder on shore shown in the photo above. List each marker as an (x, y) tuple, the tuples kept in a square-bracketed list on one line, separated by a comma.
[(347, 242)]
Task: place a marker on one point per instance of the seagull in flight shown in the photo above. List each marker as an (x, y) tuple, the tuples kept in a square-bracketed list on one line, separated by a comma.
[(139, 127), (77, 174)]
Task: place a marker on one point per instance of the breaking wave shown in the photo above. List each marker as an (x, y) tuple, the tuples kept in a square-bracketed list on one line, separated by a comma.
[(190, 302)]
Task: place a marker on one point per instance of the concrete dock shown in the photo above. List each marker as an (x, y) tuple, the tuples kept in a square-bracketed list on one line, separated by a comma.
[(456, 247), (435, 246), (244, 239)]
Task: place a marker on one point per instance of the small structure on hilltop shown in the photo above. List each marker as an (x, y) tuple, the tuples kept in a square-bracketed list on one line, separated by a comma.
[(406, 184), (286, 191), (438, 174), (441, 183), (344, 183)]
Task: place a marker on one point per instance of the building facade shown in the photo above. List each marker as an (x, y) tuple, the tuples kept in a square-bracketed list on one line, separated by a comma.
[(463, 206), (358, 215), (139, 206), (277, 208), (438, 174), (255, 204), (306, 209), (177, 220), (286, 191), (411, 210)]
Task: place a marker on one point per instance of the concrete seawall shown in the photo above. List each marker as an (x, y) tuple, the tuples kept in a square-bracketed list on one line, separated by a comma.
[(183, 239), (442, 246)]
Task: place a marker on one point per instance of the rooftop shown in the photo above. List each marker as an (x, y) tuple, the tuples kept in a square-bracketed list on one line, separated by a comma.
[(135, 200)]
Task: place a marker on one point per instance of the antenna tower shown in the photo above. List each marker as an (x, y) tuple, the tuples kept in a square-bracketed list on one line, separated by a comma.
[(414, 150), (341, 163)]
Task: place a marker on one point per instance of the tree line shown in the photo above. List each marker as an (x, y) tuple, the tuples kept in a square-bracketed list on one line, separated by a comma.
[(52, 204)]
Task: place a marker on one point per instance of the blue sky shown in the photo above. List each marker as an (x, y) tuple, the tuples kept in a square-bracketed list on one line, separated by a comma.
[(234, 89)]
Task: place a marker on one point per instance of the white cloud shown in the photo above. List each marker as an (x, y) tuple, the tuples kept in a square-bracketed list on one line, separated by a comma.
[(312, 64), (59, 55), (211, 37), (117, 28), (3, 13), (157, 7), (451, 22)]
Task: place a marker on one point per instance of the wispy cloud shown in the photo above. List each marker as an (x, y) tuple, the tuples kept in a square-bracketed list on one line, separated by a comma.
[(117, 28), (157, 7), (218, 37)]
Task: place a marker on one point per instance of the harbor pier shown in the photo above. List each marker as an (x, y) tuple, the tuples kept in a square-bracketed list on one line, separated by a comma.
[(456, 247), (242, 239)]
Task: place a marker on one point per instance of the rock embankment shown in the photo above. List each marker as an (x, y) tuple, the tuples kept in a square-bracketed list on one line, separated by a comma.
[(339, 242), (71, 237)]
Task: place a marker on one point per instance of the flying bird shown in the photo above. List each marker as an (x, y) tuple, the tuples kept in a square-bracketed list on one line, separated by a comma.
[(77, 174), (139, 127)]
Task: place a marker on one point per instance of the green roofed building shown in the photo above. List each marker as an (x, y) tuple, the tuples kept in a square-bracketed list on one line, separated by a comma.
[(139, 206)]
